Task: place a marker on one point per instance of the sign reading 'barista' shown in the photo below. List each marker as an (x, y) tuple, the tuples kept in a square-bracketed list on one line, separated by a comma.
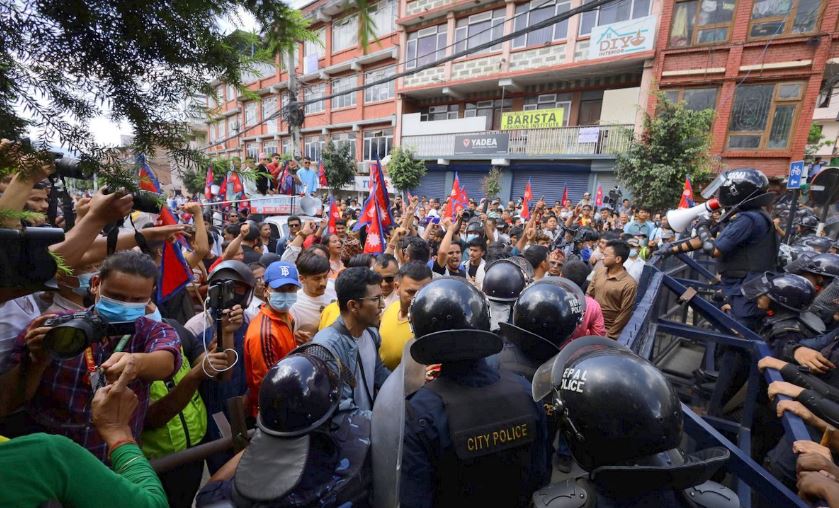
[(535, 119)]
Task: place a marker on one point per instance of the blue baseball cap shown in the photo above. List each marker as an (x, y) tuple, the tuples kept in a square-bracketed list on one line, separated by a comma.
[(280, 273)]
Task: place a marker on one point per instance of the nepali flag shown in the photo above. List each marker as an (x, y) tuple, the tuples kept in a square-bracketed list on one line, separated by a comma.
[(148, 181), (167, 218), (334, 214), (174, 272), (687, 195), (564, 201), (208, 183), (322, 175), (368, 209), (236, 181), (598, 197), (458, 199), (222, 190), (374, 243), (377, 175), (525, 202)]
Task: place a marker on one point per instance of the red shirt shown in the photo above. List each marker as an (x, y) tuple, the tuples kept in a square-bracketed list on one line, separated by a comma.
[(268, 340)]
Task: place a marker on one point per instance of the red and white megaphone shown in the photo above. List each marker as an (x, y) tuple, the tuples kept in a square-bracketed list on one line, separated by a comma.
[(681, 218)]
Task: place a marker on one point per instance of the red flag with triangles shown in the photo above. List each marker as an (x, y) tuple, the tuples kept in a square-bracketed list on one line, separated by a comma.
[(374, 243), (564, 201), (322, 175), (525, 202), (208, 183), (458, 199), (174, 272), (236, 180), (687, 195), (334, 214), (598, 198)]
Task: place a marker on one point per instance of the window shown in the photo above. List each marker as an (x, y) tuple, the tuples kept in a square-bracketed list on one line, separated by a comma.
[(313, 93), (211, 132), (345, 138), (701, 22), (233, 125), (762, 115), (269, 107), (377, 144), (776, 17), (316, 48), (550, 101), (527, 14), (338, 86), (220, 130), (250, 114), (220, 94), (381, 92), (445, 112), (269, 148), (231, 93), (287, 146), (695, 99), (614, 12), (384, 15), (344, 33), (253, 151), (426, 46), (475, 30), (491, 110), (259, 71), (825, 93), (314, 148)]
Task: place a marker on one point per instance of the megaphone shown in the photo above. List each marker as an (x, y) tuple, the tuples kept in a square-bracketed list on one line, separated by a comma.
[(308, 205), (681, 218)]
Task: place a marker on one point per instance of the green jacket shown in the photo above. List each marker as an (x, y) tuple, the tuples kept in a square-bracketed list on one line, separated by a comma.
[(185, 430)]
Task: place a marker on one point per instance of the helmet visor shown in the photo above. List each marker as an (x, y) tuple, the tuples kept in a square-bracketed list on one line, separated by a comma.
[(756, 286), (712, 188), (542, 386)]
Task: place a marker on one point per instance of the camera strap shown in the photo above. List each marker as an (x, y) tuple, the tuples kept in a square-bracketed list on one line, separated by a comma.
[(139, 238)]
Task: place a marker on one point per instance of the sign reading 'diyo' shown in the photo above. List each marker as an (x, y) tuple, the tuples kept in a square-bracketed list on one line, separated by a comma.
[(623, 38), (478, 144)]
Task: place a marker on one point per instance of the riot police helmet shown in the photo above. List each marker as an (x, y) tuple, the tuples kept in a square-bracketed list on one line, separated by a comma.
[(504, 280), (615, 408), (799, 258), (826, 265), (810, 222), (544, 317), (790, 291), (820, 244), (240, 274), (450, 320), (745, 188)]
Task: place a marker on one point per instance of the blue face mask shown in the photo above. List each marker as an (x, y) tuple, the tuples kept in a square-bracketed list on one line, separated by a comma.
[(84, 284), (155, 316), (115, 310), (281, 302), (469, 238), (633, 253)]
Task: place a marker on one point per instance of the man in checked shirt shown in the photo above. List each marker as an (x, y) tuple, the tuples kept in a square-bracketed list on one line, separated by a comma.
[(57, 394)]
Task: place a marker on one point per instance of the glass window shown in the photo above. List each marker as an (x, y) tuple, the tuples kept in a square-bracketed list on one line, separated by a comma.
[(250, 114), (777, 17), (528, 13), (425, 46), (550, 101), (695, 99), (287, 146), (253, 151), (344, 33), (762, 115), (269, 148), (384, 15), (701, 22), (345, 138), (314, 148), (377, 143), (491, 110), (312, 93), (381, 92), (445, 112), (479, 29), (269, 106), (231, 93), (233, 125), (338, 86), (612, 13), (316, 48)]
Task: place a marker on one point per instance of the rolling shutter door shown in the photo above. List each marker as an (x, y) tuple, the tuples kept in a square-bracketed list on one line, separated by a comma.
[(432, 185), (551, 182), (472, 181)]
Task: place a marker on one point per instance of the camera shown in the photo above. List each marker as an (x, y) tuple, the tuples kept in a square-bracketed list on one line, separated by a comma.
[(467, 214), (25, 260), (71, 334), (65, 166), (144, 201), (222, 295), (615, 197)]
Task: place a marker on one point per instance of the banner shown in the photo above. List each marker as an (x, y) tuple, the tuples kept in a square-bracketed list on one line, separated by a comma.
[(622, 38), (489, 144), (535, 119)]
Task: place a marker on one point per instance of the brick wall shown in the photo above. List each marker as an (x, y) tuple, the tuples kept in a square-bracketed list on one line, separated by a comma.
[(476, 67), (426, 77), (419, 6), (541, 57)]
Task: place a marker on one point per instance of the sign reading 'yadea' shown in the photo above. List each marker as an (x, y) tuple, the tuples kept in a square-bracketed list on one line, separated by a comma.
[(535, 119), (481, 143)]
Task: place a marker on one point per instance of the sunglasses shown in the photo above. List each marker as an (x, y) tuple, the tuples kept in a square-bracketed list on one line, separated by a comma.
[(389, 279)]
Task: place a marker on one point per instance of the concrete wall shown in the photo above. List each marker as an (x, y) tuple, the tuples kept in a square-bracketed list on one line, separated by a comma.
[(620, 106), (412, 126)]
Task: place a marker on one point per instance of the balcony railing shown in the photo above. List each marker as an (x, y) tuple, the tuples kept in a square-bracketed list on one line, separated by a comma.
[(601, 141)]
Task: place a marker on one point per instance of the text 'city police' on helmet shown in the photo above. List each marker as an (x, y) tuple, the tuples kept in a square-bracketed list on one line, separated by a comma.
[(614, 407), (544, 317), (790, 291), (746, 187), (450, 319), (300, 392), (504, 280)]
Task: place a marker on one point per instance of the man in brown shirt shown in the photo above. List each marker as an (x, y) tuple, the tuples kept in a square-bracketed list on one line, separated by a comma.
[(613, 288)]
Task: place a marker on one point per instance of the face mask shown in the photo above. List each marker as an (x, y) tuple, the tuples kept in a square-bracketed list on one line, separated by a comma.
[(633, 253), (155, 316), (84, 284), (282, 301), (470, 237), (115, 310)]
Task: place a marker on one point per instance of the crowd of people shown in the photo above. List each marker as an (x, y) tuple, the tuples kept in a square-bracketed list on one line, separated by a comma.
[(284, 343)]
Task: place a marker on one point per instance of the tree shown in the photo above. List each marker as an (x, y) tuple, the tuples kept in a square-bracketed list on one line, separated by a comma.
[(815, 141), (405, 172), (339, 165), (674, 145), (491, 184)]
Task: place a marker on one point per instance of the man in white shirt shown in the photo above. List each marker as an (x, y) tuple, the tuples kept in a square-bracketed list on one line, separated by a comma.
[(312, 298), (633, 264), (387, 267)]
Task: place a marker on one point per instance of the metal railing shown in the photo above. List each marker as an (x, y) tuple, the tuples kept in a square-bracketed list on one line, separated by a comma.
[(594, 140)]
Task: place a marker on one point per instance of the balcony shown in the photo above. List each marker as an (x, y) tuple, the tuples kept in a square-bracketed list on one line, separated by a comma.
[(565, 142)]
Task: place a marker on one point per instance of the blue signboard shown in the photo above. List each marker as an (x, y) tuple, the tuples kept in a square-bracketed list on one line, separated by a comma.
[(796, 172)]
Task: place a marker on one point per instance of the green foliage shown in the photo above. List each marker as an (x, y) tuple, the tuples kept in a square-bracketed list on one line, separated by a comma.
[(405, 172), (339, 165), (815, 141), (194, 178), (674, 145), (491, 184)]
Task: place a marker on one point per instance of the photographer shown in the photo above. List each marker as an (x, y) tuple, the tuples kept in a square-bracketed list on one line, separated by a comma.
[(56, 392)]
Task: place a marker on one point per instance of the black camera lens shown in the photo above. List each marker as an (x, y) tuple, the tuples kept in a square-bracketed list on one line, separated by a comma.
[(69, 167), (70, 339)]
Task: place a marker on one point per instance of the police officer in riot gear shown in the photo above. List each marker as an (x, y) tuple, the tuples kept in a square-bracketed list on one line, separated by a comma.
[(820, 244), (544, 317), (473, 436), (503, 282), (625, 436), (822, 270), (298, 456)]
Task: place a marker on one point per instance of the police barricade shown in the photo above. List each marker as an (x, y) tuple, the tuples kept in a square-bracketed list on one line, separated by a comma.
[(676, 328)]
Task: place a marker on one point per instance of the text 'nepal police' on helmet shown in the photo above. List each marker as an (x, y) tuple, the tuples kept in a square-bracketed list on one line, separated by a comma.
[(793, 292), (450, 319), (241, 276), (746, 188), (544, 317)]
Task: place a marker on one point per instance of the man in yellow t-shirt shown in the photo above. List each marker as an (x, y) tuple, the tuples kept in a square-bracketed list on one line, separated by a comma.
[(395, 328)]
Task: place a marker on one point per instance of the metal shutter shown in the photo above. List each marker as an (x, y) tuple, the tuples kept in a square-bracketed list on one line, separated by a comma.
[(549, 180), (473, 182), (432, 185), (608, 181)]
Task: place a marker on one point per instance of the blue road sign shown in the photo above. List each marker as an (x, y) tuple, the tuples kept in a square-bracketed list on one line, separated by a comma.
[(796, 172)]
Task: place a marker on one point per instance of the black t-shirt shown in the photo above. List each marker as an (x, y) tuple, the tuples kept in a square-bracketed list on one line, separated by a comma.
[(436, 268), (473, 270), (251, 256)]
